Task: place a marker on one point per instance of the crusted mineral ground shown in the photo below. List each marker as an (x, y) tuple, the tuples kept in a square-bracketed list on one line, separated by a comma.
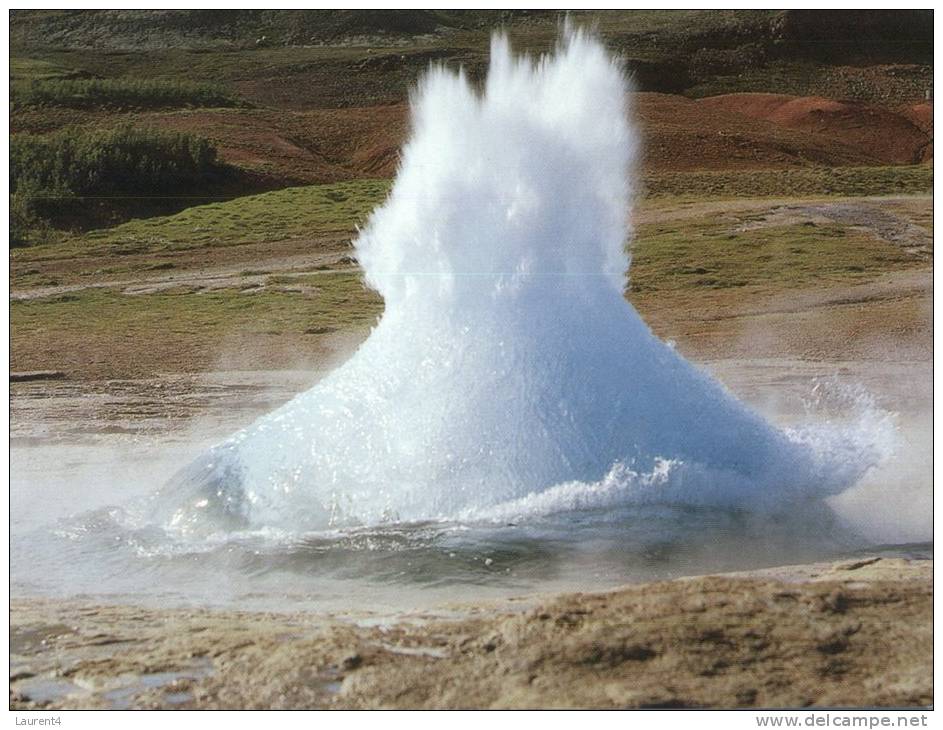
[(856, 633)]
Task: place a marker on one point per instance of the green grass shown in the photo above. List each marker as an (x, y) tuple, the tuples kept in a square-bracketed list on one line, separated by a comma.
[(34, 69), (885, 86), (120, 94), (690, 259), (274, 216), (226, 67), (338, 301), (804, 181), (106, 333), (755, 54), (712, 254), (294, 213), (280, 215)]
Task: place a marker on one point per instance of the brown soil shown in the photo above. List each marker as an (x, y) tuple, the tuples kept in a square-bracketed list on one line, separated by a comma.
[(899, 136), (845, 635), (314, 146), (683, 134), (679, 134), (733, 132), (327, 145)]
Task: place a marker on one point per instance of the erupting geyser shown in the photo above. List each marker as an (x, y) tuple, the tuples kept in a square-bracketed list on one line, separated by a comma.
[(508, 375)]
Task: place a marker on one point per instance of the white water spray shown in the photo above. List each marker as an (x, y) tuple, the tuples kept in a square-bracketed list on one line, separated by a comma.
[(508, 376)]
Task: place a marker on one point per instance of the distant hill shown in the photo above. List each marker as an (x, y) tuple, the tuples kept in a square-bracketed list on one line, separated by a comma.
[(832, 36), (152, 29), (695, 52)]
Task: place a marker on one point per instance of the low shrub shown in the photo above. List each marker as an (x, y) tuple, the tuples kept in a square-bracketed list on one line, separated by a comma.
[(59, 177), (120, 94)]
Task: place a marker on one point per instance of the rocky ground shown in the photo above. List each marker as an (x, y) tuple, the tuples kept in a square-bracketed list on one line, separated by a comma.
[(857, 633)]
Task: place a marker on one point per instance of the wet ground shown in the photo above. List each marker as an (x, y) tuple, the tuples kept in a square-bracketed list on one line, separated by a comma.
[(856, 633)]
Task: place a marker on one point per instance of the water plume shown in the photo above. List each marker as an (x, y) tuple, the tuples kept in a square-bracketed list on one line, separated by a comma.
[(508, 375)]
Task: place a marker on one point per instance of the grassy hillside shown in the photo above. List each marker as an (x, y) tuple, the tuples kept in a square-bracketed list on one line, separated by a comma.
[(870, 36), (672, 51)]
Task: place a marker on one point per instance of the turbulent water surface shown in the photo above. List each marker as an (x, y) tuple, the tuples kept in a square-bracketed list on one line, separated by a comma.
[(511, 422)]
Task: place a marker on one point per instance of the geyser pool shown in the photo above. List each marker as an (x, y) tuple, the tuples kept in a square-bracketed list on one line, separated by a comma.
[(508, 375)]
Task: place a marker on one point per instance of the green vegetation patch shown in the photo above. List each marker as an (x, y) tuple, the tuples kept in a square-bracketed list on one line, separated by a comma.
[(53, 176), (274, 216), (120, 93), (724, 252), (796, 182), (330, 301), (698, 253), (29, 69), (314, 210), (883, 85)]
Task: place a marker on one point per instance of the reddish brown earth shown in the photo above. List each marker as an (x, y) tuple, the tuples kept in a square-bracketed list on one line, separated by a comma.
[(683, 134), (734, 132), (315, 146), (895, 136), (297, 146)]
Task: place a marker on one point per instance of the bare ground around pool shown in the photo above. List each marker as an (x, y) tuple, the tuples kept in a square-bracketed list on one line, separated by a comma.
[(850, 634)]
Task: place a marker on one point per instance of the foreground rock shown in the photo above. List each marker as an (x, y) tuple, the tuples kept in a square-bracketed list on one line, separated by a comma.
[(848, 634)]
